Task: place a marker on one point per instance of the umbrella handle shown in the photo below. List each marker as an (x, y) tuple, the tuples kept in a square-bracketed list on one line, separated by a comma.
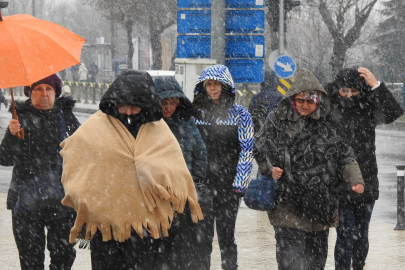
[(21, 134)]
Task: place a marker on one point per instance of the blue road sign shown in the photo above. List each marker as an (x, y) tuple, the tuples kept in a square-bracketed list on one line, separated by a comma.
[(236, 21), (194, 21), (244, 46), (241, 46), (284, 66), (246, 70), (193, 46), (245, 3), (194, 3), (228, 3), (244, 21)]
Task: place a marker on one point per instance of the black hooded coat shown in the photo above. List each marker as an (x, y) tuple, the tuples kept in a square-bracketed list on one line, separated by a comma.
[(186, 242), (184, 128), (359, 117), (313, 155), (265, 101), (38, 152)]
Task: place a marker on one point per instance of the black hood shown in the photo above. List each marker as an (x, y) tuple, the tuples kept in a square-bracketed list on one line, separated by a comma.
[(350, 78), (169, 88), (135, 88)]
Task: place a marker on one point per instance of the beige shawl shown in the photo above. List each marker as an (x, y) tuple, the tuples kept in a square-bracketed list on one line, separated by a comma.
[(115, 182)]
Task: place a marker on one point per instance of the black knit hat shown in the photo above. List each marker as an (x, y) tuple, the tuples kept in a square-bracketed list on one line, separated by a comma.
[(350, 78), (52, 80)]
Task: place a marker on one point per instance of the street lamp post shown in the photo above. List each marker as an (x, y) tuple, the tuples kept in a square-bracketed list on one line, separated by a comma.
[(218, 31)]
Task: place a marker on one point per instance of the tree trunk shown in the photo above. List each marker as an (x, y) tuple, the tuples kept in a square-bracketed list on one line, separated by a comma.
[(339, 54), (156, 45), (113, 37), (128, 28)]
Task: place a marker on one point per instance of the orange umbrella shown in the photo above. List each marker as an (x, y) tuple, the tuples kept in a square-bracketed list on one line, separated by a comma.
[(32, 49)]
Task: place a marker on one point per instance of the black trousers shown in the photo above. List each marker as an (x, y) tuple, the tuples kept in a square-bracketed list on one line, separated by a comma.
[(185, 248), (301, 250), (134, 253), (224, 213), (29, 235)]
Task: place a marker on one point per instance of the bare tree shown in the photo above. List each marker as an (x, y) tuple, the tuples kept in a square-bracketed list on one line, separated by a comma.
[(161, 16), (344, 20), (156, 15), (310, 42)]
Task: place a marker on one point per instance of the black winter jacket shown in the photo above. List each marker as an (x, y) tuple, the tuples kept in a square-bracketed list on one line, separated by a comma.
[(184, 127), (38, 152), (359, 118)]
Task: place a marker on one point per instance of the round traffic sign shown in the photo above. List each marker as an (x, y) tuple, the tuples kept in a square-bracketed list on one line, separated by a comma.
[(284, 66)]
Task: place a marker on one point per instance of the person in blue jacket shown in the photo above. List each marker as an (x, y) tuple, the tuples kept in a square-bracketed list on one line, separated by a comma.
[(266, 100), (186, 248), (227, 130)]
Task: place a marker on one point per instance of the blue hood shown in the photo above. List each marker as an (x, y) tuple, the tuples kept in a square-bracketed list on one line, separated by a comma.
[(216, 72)]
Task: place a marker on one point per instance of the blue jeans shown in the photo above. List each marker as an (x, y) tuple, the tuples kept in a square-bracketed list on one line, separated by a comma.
[(352, 235), (301, 250)]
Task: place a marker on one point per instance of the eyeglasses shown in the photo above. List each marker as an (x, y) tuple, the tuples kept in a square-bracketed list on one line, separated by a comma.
[(301, 101)]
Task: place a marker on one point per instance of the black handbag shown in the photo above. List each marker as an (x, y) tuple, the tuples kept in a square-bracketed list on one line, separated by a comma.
[(260, 193)]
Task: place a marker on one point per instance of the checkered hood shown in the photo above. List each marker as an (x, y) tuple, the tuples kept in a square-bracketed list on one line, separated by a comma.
[(216, 72)]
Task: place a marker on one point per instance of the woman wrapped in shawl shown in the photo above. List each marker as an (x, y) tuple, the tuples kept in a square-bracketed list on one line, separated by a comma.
[(124, 173)]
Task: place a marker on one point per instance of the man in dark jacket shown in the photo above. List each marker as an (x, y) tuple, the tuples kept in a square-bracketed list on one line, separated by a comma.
[(360, 103), (46, 122), (266, 100)]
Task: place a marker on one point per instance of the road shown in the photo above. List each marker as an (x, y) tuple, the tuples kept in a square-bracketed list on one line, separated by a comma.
[(390, 152)]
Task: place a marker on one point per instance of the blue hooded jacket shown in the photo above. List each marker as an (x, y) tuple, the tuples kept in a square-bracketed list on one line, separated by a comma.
[(227, 131), (266, 100), (183, 127)]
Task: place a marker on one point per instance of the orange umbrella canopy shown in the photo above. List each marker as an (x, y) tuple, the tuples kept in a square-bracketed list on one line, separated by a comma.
[(32, 49)]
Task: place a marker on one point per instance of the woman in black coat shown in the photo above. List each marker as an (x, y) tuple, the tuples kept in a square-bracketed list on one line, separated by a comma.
[(360, 103), (47, 120), (186, 242)]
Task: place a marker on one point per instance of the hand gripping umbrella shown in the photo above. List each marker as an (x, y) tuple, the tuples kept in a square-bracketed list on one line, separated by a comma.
[(32, 49)]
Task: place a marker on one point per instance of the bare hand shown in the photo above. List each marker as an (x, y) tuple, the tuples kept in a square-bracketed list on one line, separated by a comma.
[(359, 188), (368, 76), (14, 126), (276, 173)]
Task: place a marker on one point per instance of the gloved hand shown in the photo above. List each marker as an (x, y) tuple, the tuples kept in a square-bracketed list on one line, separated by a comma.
[(239, 190)]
